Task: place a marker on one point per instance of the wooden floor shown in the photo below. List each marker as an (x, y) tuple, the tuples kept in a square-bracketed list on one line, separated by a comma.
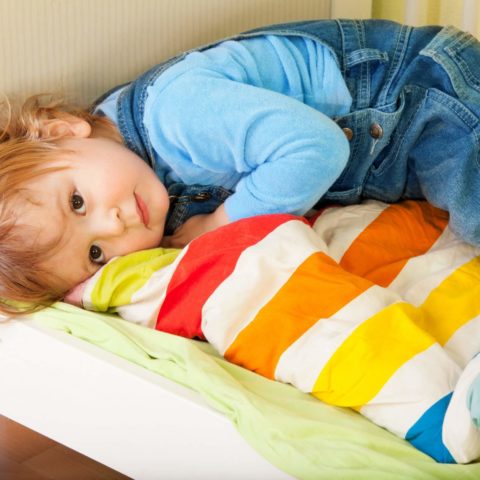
[(26, 455)]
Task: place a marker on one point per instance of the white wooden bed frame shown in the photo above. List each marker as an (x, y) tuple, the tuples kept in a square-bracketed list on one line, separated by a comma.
[(44, 374), (133, 420)]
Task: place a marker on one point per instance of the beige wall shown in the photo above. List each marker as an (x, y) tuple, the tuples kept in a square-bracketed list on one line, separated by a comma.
[(83, 47)]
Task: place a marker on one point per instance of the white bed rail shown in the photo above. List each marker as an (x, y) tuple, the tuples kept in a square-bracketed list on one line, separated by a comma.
[(116, 412)]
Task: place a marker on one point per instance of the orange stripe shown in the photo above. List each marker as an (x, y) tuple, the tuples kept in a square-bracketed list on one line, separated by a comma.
[(317, 289), (400, 232)]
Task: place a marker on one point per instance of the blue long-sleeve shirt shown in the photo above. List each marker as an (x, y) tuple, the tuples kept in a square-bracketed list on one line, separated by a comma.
[(253, 116)]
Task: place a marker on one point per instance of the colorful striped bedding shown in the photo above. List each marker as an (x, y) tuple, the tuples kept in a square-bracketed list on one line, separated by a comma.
[(373, 307)]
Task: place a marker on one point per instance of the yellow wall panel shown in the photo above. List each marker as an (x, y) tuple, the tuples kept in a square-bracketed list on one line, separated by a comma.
[(464, 14)]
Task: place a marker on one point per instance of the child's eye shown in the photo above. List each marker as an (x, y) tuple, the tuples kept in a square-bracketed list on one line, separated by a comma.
[(77, 204), (96, 254)]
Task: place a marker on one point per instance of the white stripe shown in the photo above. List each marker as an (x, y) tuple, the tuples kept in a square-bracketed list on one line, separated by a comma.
[(260, 272), (422, 274), (146, 302), (89, 286), (460, 435), (301, 363), (464, 344), (340, 226), (417, 385)]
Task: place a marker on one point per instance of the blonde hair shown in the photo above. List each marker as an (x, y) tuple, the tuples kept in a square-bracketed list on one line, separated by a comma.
[(27, 151)]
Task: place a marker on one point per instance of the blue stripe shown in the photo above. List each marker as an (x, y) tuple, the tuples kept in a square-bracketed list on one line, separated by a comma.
[(426, 434)]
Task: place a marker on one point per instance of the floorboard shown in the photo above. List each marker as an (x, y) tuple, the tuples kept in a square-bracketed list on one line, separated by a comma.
[(27, 455)]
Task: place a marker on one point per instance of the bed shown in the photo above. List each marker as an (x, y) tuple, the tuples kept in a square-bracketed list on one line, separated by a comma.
[(149, 404)]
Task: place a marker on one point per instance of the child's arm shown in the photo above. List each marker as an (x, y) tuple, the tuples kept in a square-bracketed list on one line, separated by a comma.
[(253, 125), (279, 155)]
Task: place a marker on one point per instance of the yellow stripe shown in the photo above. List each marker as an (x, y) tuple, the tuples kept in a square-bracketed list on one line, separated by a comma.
[(453, 303), (366, 360), (124, 276)]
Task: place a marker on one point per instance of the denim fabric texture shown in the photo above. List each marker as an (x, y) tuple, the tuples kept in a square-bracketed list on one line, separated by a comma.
[(189, 200), (413, 127)]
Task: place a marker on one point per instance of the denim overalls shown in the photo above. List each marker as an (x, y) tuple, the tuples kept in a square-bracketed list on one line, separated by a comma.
[(413, 127)]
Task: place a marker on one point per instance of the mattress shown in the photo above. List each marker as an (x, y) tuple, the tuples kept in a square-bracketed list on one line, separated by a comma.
[(292, 430)]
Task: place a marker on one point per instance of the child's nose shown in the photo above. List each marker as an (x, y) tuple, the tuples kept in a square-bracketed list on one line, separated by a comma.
[(110, 224)]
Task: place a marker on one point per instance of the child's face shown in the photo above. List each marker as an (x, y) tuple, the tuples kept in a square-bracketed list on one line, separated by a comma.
[(108, 202)]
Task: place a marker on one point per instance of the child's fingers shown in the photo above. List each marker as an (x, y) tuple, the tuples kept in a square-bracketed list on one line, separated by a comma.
[(174, 241), (166, 242)]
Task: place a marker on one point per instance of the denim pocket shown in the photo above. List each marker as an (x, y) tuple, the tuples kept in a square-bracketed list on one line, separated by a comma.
[(435, 141), (371, 134), (448, 136)]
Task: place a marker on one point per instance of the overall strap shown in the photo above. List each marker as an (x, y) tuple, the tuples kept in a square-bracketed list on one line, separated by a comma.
[(357, 58), (130, 111)]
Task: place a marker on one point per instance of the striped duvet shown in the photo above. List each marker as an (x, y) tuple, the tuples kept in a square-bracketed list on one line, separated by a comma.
[(373, 307)]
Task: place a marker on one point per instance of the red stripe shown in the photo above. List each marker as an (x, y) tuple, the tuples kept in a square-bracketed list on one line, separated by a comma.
[(209, 260)]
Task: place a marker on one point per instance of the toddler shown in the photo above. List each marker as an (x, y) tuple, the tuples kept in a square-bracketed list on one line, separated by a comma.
[(279, 119)]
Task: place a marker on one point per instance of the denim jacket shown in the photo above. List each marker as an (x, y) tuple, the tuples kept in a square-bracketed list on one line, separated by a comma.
[(413, 126)]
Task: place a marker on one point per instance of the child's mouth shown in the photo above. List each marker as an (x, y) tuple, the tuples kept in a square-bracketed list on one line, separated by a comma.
[(142, 209)]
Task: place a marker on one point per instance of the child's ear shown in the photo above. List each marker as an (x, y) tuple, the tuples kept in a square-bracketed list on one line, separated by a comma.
[(70, 126)]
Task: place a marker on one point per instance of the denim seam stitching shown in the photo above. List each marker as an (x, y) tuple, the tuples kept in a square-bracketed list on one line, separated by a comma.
[(365, 67), (475, 83), (378, 171), (397, 60)]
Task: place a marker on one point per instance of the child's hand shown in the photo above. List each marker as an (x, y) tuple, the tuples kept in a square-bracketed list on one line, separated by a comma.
[(194, 227)]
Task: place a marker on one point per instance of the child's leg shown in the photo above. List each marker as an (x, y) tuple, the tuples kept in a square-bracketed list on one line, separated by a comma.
[(445, 154)]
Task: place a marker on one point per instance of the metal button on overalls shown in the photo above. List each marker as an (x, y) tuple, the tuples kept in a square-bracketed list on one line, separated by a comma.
[(348, 133), (376, 131)]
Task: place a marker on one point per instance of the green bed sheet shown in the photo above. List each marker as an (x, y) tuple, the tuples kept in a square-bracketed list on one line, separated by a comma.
[(292, 430)]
